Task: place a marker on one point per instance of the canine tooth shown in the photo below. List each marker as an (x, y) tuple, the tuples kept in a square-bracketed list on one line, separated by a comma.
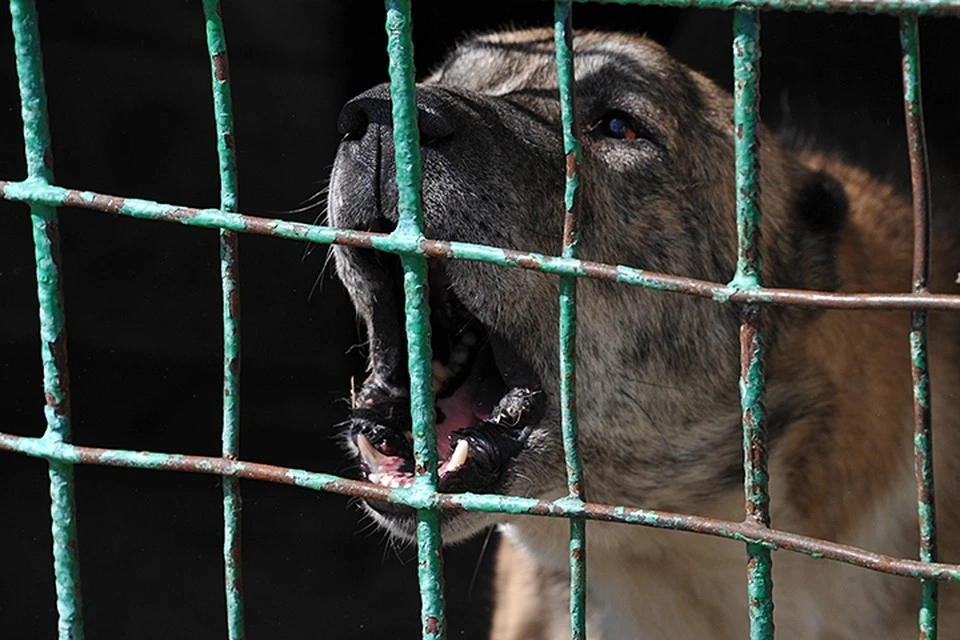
[(459, 456), (373, 478), (370, 456), (460, 354), (440, 370), (440, 375)]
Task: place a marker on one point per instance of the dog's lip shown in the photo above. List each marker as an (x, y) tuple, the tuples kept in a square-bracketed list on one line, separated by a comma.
[(487, 401), (477, 454)]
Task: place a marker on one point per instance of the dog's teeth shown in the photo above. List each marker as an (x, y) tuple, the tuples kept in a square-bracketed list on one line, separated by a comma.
[(373, 478), (460, 354), (440, 376), (371, 457), (454, 369), (459, 456)]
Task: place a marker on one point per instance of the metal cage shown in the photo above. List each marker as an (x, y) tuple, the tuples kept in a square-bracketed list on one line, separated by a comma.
[(408, 242)]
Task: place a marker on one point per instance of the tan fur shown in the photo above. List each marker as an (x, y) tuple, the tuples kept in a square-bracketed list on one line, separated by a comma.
[(851, 482), (657, 373)]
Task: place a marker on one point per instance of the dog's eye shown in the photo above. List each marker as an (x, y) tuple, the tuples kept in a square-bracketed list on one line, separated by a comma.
[(616, 124)]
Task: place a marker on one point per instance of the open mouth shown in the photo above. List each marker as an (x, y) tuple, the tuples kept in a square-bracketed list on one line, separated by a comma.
[(486, 400)]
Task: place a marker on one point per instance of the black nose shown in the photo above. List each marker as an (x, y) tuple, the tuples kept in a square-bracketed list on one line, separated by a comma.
[(373, 107)]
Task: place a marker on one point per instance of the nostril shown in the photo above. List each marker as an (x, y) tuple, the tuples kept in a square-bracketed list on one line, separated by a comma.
[(433, 127), (352, 122)]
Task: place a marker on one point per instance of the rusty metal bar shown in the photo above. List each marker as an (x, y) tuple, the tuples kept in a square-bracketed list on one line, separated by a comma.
[(923, 435), (406, 142), (563, 46), (229, 267), (746, 101), (53, 331), (722, 293), (921, 7), (743, 532)]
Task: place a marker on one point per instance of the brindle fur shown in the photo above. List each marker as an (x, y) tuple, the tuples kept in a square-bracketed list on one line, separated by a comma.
[(657, 377)]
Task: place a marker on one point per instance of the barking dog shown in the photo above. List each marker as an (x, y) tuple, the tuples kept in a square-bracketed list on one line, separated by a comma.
[(657, 385)]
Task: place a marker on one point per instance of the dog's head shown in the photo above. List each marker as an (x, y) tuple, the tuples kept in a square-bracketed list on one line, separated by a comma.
[(657, 377)]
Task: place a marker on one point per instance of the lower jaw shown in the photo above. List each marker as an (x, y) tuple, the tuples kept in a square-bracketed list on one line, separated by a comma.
[(455, 526)]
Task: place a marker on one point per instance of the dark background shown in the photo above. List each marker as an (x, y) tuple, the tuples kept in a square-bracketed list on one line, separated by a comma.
[(131, 115)]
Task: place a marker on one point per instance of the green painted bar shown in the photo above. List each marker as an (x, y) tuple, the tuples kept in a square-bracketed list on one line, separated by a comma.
[(406, 141), (563, 46), (229, 267), (408, 241), (53, 333), (35, 192), (921, 7), (487, 503), (923, 433), (746, 98)]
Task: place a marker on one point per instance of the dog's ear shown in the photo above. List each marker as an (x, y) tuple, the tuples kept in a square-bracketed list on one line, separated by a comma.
[(820, 213), (821, 204)]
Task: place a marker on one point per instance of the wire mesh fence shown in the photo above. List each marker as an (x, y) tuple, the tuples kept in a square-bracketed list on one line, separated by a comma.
[(407, 241)]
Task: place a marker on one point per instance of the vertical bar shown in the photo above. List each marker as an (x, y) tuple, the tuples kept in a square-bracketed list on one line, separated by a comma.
[(563, 45), (922, 435), (232, 502), (53, 333), (406, 140), (746, 99)]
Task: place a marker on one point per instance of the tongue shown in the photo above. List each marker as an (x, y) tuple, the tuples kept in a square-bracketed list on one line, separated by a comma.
[(459, 411)]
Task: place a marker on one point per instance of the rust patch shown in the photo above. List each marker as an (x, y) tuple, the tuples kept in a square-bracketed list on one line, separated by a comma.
[(52, 230), (228, 141), (598, 271), (431, 625), (363, 241), (571, 164), (577, 553), (221, 70), (182, 213), (436, 248), (524, 260), (110, 204), (48, 159), (233, 304), (58, 349)]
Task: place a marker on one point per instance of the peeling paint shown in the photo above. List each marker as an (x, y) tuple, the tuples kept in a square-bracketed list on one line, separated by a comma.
[(230, 298), (921, 7), (923, 434)]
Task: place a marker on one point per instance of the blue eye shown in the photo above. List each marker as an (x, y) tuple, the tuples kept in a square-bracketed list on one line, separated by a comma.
[(616, 125)]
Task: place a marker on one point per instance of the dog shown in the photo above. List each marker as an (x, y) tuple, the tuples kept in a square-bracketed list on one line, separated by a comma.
[(657, 399)]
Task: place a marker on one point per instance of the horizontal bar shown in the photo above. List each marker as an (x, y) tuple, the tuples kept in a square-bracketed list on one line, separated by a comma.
[(920, 7), (32, 192), (487, 503)]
